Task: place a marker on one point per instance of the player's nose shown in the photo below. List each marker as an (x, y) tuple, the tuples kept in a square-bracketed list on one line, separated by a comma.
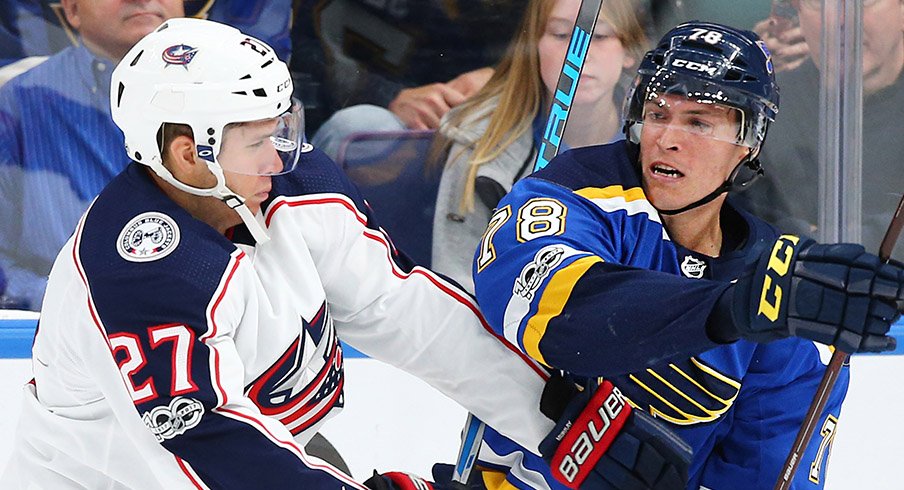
[(273, 164), (670, 136)]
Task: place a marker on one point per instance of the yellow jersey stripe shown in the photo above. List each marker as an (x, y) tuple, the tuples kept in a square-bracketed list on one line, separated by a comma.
[(495, 480), (616, 198), (556, 294), (610, 192)]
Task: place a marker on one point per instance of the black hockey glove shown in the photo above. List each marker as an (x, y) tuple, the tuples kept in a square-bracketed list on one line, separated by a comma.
[(836, 294), (396, 480), (442, 476), (599, 442)]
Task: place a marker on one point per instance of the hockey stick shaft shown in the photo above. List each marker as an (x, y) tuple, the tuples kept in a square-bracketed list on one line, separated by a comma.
[(550, 142), (567, 85), (832, 370), (470, 446)]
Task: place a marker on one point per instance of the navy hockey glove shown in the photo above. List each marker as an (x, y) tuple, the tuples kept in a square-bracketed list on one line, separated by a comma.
[(833, 294), (599, 442), (396, 480)]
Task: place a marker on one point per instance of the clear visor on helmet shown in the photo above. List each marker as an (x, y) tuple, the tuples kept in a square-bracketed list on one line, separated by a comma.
[(264, 147), (694, 106)]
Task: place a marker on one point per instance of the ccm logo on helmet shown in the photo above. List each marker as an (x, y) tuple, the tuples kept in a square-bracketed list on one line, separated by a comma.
[(585, 447), (693, 65), (779, 263)]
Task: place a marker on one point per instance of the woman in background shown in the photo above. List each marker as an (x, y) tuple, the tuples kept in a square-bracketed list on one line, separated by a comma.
[(492, 138)]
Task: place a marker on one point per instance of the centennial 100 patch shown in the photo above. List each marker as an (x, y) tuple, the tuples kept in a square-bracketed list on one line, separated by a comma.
[(149, 236)]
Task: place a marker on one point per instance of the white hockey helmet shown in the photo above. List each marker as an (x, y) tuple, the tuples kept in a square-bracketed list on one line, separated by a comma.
[(205, 75)]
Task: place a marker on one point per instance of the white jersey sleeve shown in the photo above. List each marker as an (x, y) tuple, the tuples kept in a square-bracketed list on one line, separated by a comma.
[(406, 315)]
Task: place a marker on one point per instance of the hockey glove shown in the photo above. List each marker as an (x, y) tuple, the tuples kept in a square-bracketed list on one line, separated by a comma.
[(599, 442), (833, 294), (396, 480)]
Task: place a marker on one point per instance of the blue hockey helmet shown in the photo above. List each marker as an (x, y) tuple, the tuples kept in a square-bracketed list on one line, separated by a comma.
[(710, 63)]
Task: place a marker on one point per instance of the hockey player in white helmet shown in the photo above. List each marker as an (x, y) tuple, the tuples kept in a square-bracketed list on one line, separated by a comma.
[(220, 92), (189, 336)]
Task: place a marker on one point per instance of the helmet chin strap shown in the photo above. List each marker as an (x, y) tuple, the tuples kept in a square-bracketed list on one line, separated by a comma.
[(251, 222), (727, 186), (223, 193)]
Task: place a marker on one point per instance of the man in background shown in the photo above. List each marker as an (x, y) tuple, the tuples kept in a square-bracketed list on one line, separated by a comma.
[(58, 143), (788, 195)]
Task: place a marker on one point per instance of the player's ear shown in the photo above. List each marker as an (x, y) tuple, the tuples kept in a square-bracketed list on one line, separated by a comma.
[(70, 9), (180, 154)]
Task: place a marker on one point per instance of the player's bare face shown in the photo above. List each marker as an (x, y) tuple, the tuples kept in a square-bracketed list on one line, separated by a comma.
[(686, 150), (112, 27), (605, 58), (248, 159)]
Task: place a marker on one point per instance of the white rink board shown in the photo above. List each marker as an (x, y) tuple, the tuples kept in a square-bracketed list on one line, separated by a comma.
[(393, 421)]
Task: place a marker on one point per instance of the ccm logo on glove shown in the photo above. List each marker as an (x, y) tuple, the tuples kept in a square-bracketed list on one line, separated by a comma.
[(779, 263), (583, 442)]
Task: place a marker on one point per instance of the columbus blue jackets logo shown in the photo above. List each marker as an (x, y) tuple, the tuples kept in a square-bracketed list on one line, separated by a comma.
[(306, 383), (149, 236), (179, 54)]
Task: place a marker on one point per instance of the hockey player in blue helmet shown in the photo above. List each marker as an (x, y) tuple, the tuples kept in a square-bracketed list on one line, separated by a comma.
[(627, 261), (709, 65)]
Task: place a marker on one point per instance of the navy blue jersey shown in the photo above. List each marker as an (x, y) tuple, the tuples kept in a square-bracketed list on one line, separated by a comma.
[(577, 269)]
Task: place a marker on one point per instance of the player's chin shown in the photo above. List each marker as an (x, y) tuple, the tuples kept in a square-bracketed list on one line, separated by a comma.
[(254, 202), (144, 21), (664, 200)]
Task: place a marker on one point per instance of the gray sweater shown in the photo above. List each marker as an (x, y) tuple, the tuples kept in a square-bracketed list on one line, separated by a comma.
[(456, 234)]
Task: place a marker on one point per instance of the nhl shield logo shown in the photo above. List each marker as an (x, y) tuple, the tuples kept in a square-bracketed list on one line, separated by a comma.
[(693, 267), (149, 236)]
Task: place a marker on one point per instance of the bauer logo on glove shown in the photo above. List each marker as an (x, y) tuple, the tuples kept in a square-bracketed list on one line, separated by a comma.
[(583, 442)]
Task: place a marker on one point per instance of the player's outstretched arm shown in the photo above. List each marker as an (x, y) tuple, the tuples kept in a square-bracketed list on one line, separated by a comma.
[(835, 294), (405, 315), (600, 442)]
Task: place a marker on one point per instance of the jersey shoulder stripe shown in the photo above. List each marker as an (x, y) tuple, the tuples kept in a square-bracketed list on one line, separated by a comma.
[(552, 303), (593, 166)]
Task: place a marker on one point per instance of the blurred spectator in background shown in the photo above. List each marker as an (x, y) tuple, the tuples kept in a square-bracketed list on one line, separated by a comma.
[(782, 33), (743, 14), (399, 65), (37, 28), (493, 137), (58, 143), (788, 195), (24, 31)]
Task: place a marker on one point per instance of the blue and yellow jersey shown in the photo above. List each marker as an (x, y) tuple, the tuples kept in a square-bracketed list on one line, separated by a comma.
[(577, 270)]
